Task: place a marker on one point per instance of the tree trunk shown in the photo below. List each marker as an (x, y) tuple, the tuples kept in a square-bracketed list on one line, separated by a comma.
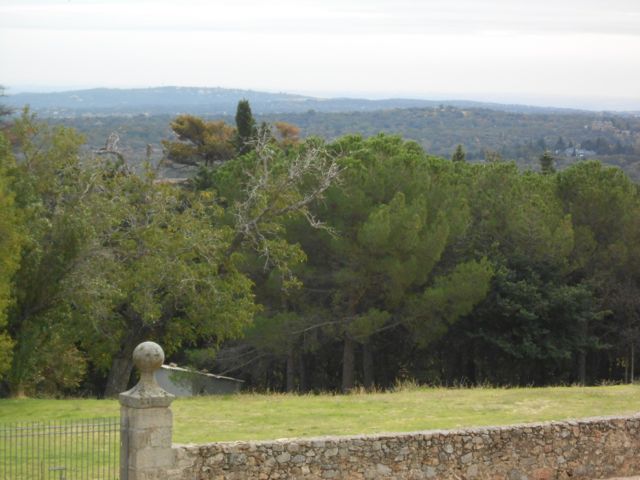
[(633, 361), (582, 352), (291, 364), (626, 371), (302, 373), (119, 376), (25, 361), (582, 367), (475, 373), (121, 368), (18, 391), (262, 377), (367, 366), (348, 361)]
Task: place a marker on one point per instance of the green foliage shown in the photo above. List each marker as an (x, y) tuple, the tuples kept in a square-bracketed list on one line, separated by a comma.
[(11, 238), (49, 187), (605, 208), (492, 156), (200, 142), (46, 360), (110, 259), (602, 202), (451, 297), (245, 127), (158, 269), (547, 163), (269, 187), (4, 110), (458, 155), (363, 326), (394, 215), (298, 260), (518, 216), (266, 333), (520, 136), (530, 320)]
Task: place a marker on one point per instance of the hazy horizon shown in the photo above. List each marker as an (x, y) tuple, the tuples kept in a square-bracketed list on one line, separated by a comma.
[(590, 104), (576, 54)]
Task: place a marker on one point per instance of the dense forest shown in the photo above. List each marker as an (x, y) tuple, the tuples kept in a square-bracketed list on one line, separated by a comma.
[(304, 264)]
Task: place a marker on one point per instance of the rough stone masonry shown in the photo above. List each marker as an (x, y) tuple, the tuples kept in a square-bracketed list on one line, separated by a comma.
[(581, 449)]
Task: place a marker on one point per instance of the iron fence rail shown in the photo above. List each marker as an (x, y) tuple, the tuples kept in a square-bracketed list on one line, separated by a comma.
[(87, 449)]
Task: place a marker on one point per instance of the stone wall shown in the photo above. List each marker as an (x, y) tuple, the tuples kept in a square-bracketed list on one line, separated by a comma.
[(581, 449)]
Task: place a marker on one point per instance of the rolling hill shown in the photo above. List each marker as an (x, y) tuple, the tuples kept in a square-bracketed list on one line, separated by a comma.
[(221, 101)]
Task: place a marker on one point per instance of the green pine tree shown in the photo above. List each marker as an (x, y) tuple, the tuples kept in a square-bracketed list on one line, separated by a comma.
[(459, 155), (245, 125)]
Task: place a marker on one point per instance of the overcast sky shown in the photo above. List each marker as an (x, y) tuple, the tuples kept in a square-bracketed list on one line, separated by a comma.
[(555, 52)]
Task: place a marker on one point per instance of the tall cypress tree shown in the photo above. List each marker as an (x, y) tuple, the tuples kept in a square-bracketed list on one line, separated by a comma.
[(459, 155), (245, 125)]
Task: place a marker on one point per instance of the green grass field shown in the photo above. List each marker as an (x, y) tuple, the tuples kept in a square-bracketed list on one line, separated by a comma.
[(254, 417)]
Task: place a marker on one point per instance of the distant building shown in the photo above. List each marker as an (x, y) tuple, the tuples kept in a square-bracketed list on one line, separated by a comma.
[(182, 382), (578, 153)]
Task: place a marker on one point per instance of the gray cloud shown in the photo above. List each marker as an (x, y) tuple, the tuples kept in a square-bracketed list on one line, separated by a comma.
[(472, 48), (330, 16)]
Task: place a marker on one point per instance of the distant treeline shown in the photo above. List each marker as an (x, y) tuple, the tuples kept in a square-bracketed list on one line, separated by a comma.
[(522, 137)]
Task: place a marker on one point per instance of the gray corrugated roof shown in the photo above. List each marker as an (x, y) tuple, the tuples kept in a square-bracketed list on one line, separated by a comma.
[(206, 374)]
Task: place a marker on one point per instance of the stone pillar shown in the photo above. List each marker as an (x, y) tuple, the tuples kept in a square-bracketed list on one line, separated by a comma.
[(146, 422)]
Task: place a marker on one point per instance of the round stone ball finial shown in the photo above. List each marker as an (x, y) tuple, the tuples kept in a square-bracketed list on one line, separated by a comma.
[(148, 357)]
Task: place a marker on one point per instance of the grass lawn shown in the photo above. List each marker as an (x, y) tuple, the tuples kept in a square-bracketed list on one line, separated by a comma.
[(254, 417)]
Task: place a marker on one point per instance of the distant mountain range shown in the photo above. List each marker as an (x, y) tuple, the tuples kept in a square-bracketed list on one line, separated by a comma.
[(223, 101)]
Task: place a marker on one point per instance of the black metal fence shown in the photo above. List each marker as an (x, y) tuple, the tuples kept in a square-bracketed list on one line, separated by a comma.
[(60, 450)]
